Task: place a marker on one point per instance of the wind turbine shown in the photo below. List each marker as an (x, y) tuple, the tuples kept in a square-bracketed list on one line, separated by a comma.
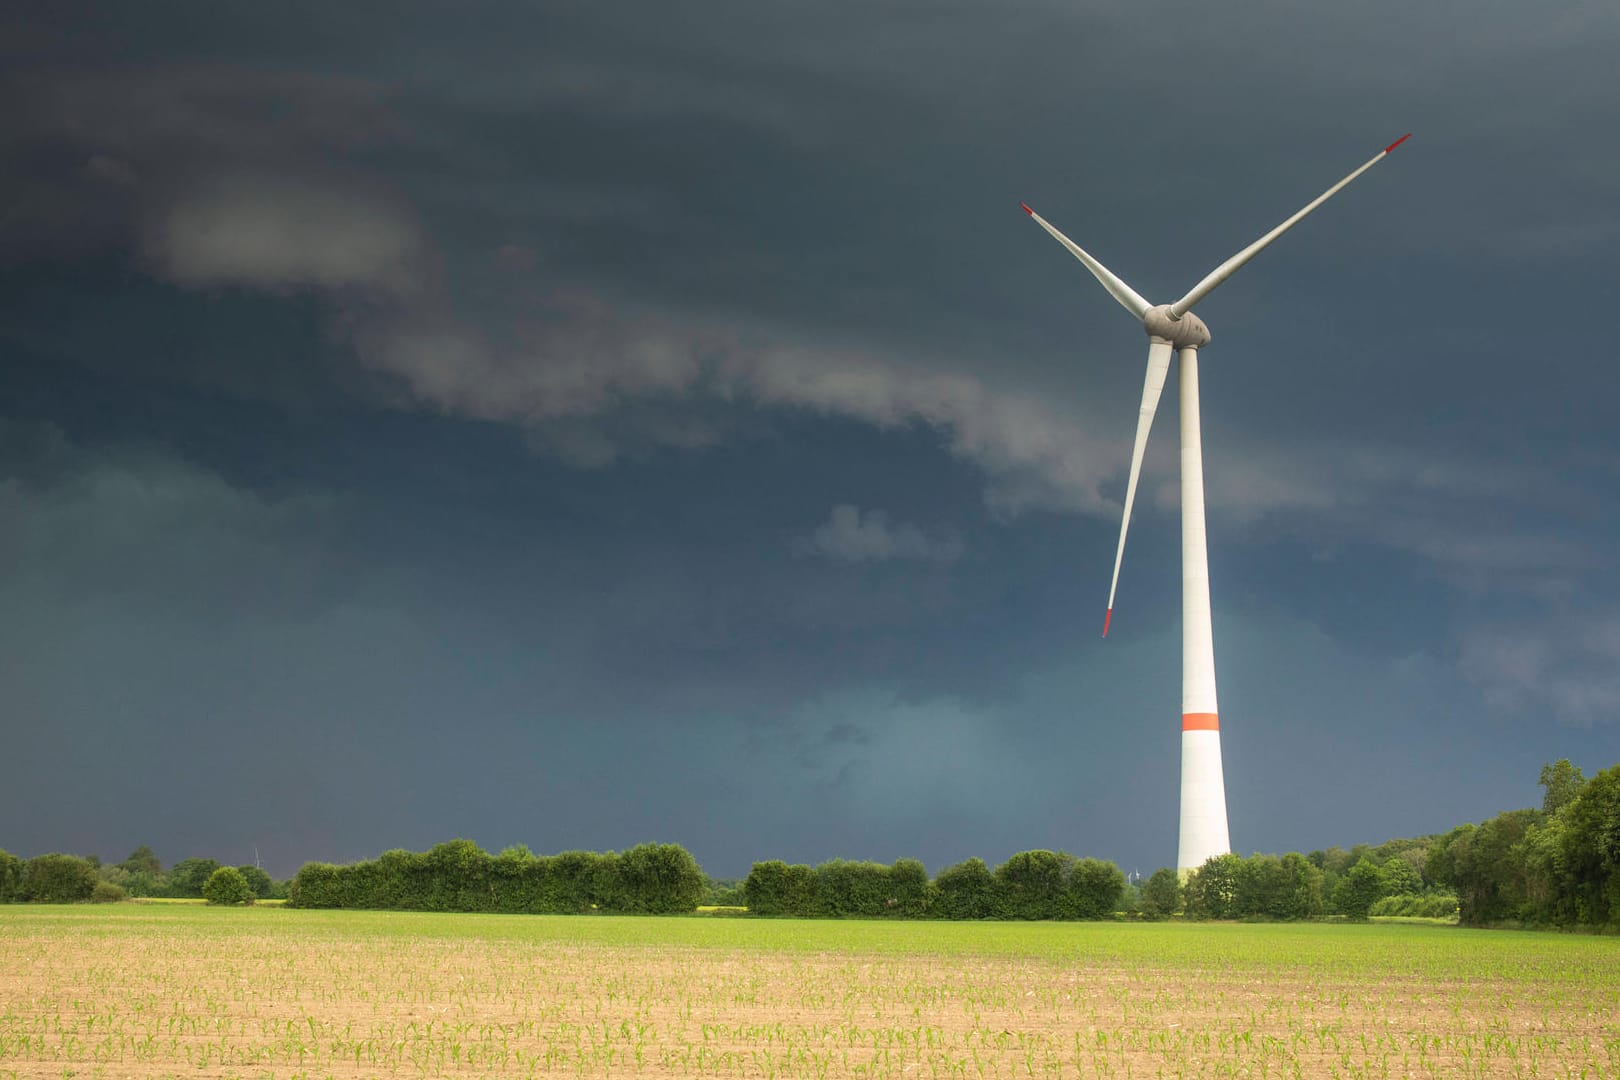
[(1174, 328)]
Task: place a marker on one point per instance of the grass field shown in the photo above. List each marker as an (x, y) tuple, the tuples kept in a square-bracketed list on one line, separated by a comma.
[(183, 990)]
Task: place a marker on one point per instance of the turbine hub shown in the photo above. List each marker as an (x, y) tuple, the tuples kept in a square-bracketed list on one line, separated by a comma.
[(1187, 332)]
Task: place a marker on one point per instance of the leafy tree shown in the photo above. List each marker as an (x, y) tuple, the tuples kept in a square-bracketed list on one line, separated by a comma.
[(106, 892), (11, 872), (1400, 878), (965, 891), (1487, 868), (260, 882), (725, 892), (1161, 894), (226, 885), (143, 860), (909, 893), (1094, 889), (659, 879), (457, 876), (1359, 889), (1303, 895), (1261, 888), (1212, 889), (58, 879), (770, 888), (1589, 850), (1031, 884), (849, 888), (1563, 782), (190, 875)]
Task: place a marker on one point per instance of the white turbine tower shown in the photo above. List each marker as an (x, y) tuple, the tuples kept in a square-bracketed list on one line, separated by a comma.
[(1174, 328)]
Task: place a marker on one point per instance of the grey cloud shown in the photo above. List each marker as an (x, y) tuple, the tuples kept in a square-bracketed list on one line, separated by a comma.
[(852, 536), (1567, 667), (271, 235), (587, 358)]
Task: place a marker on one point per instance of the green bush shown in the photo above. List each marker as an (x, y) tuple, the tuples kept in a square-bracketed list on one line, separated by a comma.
[(143, 860), (724, 892), (965, 891), (846, 888), (106, 892), (58, 879), (777, 888), (910, 895), (1211, 891), (259, 881), (1161, 894), (1359, 889), (658, 879), (227, 886), (1418, 905), (188, 876), (11, 872), (1031, 885), (1094, 890), (460, 876)]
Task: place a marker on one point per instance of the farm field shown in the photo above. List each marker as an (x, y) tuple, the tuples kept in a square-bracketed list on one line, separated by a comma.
[(177, 990)]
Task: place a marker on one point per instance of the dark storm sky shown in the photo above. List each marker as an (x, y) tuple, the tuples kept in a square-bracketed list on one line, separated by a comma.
[(580, 424)]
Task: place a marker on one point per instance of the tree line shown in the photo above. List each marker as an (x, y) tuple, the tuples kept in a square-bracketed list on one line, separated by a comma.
[(56, 878), (1029, 885), (651, 879), (1555, 866), (1558, 865)]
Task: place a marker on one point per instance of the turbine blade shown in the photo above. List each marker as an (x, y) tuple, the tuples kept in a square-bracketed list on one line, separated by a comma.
[(1152, 386), (1127, 297), (1230, 266)]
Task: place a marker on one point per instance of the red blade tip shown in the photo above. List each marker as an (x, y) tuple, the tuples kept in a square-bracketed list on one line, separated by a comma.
[(1397, 142), (1027, 210), (1108, 618)]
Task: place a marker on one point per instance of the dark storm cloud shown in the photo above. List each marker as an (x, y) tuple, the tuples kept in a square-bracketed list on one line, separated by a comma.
[(469, 391)]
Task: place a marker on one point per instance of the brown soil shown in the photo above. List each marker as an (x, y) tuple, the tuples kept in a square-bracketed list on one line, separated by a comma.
[(173, 1005)]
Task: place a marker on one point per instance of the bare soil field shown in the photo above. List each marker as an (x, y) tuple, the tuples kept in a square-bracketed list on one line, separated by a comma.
[(220, 993)]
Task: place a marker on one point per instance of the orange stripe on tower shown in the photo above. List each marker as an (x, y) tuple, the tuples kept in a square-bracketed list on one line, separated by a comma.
[(1200, 721)]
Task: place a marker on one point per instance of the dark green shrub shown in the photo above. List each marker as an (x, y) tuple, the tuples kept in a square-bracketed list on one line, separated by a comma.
[(143, 860), (910, 894), (227, 886), (259, 881), (1211, 891), (1094, 889), (1161, 894), (106, 892), (1359, 889), (58, 879), (765, 888), (845, 888), (316, 885), (803, 891), (11, 872), (658, 879), (190, 875), (1412, 905), (725, 892), (965, 891), (1032, 884)]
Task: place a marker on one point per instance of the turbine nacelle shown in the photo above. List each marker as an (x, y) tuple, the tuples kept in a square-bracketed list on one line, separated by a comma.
[(1187, 332)]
